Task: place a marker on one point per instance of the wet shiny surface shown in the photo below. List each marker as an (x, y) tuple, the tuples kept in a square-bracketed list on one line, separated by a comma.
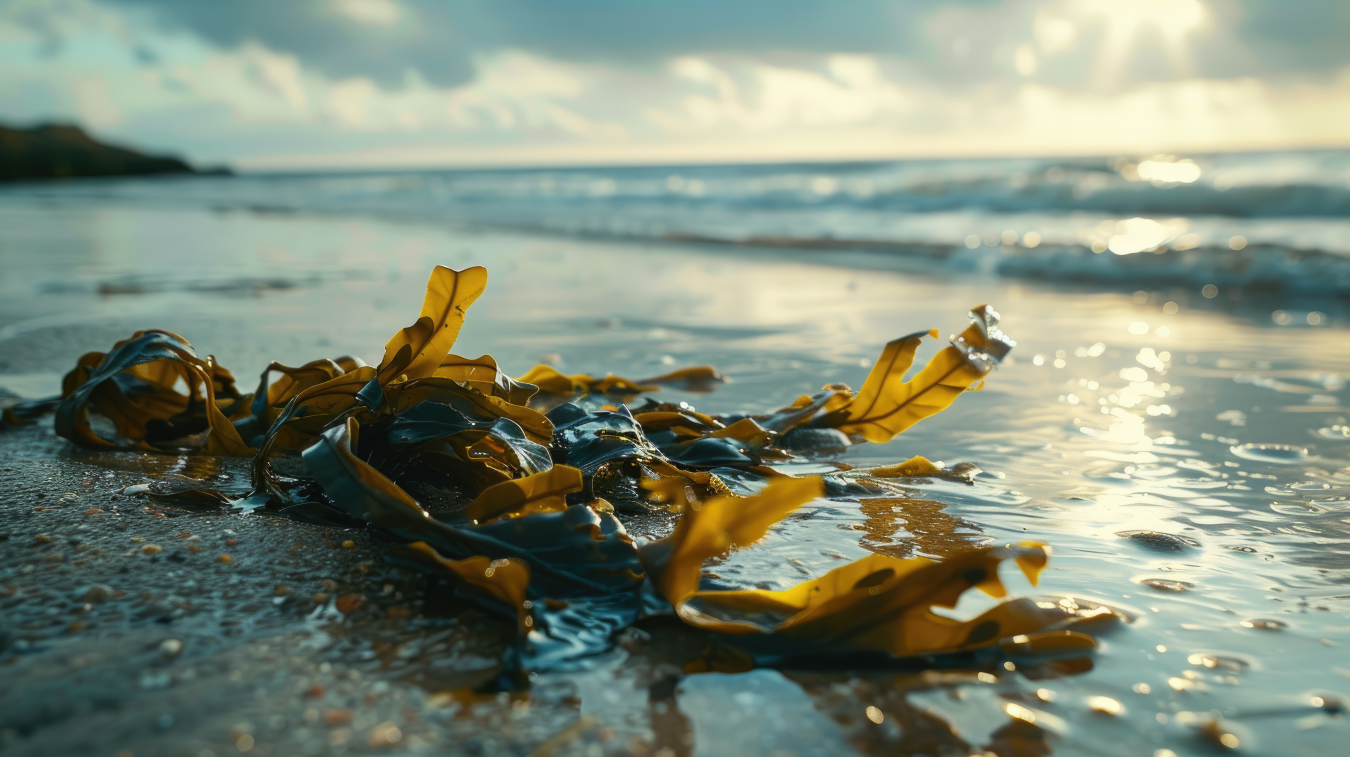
[(1185, 456)]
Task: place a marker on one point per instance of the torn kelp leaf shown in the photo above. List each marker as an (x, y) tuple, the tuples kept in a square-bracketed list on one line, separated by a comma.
[(522, 515)]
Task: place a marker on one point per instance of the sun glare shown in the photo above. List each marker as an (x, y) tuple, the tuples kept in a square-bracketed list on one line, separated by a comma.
[(1171, 16), (1173, 20)]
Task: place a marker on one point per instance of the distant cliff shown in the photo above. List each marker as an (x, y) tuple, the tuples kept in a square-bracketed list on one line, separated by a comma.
[(56, 151)]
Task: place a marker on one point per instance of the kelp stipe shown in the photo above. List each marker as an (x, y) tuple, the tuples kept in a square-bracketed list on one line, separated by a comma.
[(527, 524)]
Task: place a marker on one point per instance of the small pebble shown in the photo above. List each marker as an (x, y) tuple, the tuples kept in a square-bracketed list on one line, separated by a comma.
[(349, 602), (171, 647), (349, 544), (225, 559), (92, 511), (336, 716), (151, 549), (97, 594)]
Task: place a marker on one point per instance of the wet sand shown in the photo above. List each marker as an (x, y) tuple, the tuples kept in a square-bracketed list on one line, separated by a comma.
[(1143, 433)]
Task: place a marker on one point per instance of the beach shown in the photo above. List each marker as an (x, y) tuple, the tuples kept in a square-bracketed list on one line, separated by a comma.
[(1134, 401)]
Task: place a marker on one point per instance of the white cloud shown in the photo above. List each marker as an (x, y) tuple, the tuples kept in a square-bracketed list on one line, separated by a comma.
[(260, 106), (854, 91), (383, 14), (93, 103)]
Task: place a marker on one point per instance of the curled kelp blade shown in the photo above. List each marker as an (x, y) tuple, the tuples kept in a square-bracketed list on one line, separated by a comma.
[(699, 378), (550, 380), (472, 403), (540, 493), (134, 387), (418, 350), (482, 374), (887, 404), (882, 604), (271, 395), (308, 413), (715, 526), (573, 552)]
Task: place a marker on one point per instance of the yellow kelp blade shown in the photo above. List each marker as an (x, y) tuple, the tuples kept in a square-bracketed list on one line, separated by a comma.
[(915, 466), (699, 378), (273, 395), (541, 493), (483, 374), (674, 563), (304, 418), (887, 404), (661, 420), (503, 581), (804, 409), (315, 407), (549, 380), (745, 430), (882, 603), (416, 351)]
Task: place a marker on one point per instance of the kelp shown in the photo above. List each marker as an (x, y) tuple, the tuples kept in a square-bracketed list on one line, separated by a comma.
[(510, 488), (135, 386), (701, 378)]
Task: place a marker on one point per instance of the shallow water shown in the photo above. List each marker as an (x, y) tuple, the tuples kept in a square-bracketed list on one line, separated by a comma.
[(1118, 413)]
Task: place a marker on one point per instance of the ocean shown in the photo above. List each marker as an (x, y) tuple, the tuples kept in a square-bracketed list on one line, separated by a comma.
[(1263, 221)]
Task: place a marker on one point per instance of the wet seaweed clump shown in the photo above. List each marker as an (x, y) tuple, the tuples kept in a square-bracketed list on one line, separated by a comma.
[(515, 490)]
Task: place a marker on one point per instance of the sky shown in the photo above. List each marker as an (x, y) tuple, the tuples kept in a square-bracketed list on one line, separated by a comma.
[(347, 84)]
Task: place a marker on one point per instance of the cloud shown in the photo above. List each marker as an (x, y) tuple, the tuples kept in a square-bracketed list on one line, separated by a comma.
[(850, 90), (353, 82)]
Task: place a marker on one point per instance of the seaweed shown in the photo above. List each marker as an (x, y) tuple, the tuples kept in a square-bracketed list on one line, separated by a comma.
[(536, 475)]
